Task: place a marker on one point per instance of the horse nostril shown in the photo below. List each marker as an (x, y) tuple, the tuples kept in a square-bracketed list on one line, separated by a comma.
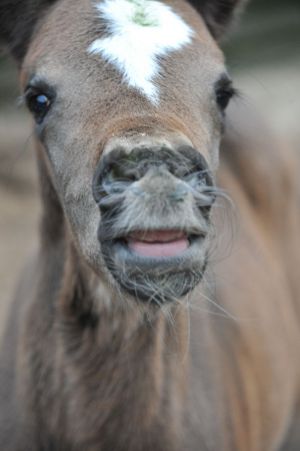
[(113, 176), (179, 194), (113, 182), (117, 173)]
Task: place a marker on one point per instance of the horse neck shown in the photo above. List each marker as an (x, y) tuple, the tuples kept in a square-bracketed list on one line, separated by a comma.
[(115, 354), (119, 359)]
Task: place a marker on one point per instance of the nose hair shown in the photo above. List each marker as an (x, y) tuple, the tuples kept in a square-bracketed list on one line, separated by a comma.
[(166, 168)]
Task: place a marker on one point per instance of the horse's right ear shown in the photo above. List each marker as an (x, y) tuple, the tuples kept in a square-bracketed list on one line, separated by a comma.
[(218, 14), (18, 19)]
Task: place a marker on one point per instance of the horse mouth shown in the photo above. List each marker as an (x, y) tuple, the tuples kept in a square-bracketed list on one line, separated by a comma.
[(158, 246), (157, 264), (158, 243)]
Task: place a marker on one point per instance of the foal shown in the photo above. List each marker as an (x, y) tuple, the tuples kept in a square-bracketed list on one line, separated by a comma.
[(125, 335)]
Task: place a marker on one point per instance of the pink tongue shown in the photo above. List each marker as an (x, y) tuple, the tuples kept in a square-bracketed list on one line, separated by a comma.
[(158, 244)]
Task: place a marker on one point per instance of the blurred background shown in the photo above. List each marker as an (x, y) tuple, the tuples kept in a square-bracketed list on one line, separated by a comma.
[(263, 55)]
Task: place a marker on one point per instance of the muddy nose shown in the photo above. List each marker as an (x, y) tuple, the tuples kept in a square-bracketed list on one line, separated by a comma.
[(160, 171)]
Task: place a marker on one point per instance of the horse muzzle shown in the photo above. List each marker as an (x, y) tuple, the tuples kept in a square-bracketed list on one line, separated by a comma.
[(154, 218)]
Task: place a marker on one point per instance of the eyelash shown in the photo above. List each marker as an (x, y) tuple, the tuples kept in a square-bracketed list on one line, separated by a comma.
[(224, 93)]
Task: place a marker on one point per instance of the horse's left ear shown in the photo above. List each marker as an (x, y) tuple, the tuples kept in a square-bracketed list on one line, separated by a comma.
[(18, 20), (218, 14)]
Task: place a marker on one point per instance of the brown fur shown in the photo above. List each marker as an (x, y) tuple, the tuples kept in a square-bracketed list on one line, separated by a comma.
[(83, 366)]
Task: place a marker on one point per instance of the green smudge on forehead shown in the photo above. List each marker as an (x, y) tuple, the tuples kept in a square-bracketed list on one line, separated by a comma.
[(141, 16)]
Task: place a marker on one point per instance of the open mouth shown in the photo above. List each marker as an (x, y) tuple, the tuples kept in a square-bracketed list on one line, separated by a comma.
[(158, 243), (155, 250), (157, 264)]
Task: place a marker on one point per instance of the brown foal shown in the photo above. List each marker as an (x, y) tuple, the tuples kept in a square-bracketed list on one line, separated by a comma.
[(129, 332)]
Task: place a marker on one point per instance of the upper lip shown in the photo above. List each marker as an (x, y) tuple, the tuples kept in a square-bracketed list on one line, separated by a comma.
[(157, 236)]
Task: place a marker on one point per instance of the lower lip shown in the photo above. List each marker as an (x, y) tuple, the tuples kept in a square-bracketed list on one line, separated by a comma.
[(158, 249)]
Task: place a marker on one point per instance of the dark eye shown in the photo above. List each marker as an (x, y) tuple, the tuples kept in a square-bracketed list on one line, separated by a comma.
[(38, 103), (224, 93)]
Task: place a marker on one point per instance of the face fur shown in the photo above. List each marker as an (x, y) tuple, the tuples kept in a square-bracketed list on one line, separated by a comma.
[(128, 98)]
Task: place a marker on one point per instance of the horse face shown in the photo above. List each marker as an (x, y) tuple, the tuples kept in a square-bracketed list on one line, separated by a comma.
[(129, 99)]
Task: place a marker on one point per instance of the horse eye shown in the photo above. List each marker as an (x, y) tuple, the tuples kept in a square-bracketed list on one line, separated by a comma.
[(223, 97), (224, 93), (38, 103)]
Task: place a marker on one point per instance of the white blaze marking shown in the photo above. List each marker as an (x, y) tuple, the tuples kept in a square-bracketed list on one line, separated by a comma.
[(139, 31)]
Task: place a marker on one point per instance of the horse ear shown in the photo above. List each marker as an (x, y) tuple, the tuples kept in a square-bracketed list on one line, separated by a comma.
[(18, 19), (218, 14)]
